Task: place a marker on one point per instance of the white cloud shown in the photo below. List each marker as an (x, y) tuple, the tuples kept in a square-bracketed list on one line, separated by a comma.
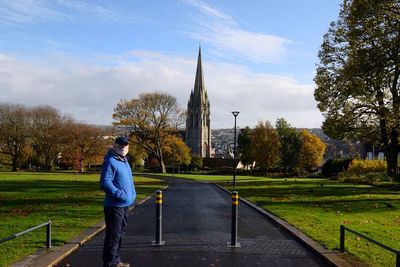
[(97, 11), (208, 9), (35, 11), (90, 91), (27, 11), (223, 32)]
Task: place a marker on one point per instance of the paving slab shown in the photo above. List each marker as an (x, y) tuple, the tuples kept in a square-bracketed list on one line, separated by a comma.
[(196, 231)]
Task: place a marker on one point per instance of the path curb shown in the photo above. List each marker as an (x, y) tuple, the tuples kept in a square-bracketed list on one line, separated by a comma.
[(329, 256), (50, 257)]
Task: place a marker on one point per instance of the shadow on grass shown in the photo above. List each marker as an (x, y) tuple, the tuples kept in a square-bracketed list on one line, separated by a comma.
[(22, 198), (48, 186), (328, 189), (349, 206), (324, 194)]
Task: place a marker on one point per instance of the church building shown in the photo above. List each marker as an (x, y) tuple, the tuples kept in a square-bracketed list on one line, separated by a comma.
[(198, 130)]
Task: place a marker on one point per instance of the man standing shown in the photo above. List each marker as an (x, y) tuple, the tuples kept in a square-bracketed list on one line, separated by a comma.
[(116, 180)]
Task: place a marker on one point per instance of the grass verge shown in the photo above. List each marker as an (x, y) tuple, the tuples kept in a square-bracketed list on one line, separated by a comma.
[(318, 207), (72, 202)]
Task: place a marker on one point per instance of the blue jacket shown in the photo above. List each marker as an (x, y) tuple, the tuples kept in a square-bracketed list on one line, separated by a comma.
[(116, 180)]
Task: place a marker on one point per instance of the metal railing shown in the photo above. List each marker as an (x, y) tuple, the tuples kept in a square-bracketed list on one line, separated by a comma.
[(342, 237), (48, 233)]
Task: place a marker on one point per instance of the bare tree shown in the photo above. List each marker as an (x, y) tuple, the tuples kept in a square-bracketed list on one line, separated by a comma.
[(151, 119), (14, 131), (85, 143), (47, 133)]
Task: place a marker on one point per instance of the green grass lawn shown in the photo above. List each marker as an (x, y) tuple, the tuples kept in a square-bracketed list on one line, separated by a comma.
[(319, 210), (72, 202)]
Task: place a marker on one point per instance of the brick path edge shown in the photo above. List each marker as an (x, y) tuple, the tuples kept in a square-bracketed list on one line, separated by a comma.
[(51, 257), (330, 257)]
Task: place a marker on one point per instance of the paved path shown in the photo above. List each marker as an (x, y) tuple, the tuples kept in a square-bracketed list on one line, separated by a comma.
[(196, 229)]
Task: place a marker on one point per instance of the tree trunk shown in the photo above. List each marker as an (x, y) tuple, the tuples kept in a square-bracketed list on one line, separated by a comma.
[(48, 163), (160, 158), (389, 145), (392, 155), (14, 166), (162, 166), (15, 163)]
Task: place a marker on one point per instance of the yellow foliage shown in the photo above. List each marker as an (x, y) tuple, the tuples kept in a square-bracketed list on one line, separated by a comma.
[(359, 167), (312, 151), (176, 150), (265, 145)]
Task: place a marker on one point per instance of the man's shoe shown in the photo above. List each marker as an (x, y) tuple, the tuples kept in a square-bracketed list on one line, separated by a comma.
[(123, 264)]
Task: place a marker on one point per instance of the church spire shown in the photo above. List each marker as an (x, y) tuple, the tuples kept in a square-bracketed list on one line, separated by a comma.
[(198, 131), (199, 81)]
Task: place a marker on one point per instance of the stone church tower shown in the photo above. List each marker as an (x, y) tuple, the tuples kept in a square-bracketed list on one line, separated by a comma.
[(198, 130)]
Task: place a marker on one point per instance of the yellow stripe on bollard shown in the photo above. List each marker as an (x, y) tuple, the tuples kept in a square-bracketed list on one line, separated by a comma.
[(234, 219), (158, 241), (159, 197), (235, 198)]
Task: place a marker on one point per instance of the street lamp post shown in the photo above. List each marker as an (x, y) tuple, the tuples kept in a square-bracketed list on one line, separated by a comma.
[(173, 160), (235, 114)]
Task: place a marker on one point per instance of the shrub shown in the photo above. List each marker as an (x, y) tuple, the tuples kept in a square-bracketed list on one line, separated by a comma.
[(365, 172), (360, 167), (333, 167)]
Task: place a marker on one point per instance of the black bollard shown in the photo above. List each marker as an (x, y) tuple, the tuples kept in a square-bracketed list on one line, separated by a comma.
[(234, 222), (48, 235), (159, 241)]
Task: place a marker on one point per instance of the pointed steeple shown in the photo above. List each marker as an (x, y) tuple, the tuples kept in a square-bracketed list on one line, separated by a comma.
[(198, 131), (199, 80)]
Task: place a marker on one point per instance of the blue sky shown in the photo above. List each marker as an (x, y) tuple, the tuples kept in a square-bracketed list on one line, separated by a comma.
[(82, 57)]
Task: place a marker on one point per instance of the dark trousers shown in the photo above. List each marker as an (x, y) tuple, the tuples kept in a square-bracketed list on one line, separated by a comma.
[(116, 221)]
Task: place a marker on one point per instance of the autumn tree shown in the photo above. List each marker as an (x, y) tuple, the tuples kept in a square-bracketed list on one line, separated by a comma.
[(244, 146), (357, 78), (136, 155), (86, 144), (152, 119), (289, 139), (14, 132), (312, 151), (176, 151), (47, 133), (265, 145)]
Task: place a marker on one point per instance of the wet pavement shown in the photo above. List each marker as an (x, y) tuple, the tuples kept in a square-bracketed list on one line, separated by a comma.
[(196, 231)]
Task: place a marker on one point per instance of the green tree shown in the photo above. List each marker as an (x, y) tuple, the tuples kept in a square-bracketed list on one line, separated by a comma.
[(244, 146), (312, 151), (265, 145), (196, 162), (152, 119), (358, 76), (289, 139)]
